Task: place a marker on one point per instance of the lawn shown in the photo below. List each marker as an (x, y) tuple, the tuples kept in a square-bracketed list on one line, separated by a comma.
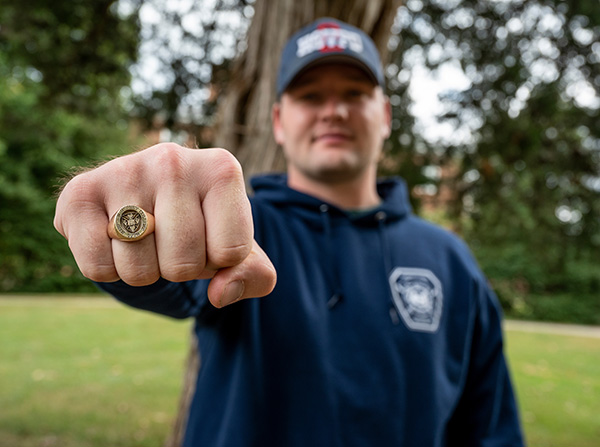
[(88, 372), (557, 378)]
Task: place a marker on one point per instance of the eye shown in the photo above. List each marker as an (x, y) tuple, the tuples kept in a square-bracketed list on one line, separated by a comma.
[(354, 94), (312, 97)]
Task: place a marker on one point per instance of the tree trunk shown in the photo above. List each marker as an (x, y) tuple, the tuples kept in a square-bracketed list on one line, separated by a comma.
[(244, 125)]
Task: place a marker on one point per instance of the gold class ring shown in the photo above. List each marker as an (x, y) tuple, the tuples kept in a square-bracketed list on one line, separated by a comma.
[(131, 223)]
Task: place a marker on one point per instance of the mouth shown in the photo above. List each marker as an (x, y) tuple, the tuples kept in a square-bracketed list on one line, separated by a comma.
[(333, 137)]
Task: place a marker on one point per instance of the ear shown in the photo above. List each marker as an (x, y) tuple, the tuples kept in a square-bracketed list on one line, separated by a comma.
[(276, 120)]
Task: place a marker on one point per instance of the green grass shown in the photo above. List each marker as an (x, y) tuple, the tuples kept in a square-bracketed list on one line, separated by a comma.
[(89, 372), (557, 380)]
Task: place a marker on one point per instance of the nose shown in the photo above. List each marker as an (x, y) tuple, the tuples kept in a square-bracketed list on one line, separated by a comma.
[(334, 108)]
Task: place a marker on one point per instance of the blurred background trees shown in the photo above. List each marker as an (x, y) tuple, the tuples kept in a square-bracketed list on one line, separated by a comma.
[(496, 124), (64, 77), (522, 154)]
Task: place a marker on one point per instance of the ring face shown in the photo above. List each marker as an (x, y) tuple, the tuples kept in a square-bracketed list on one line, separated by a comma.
[(131, 222)]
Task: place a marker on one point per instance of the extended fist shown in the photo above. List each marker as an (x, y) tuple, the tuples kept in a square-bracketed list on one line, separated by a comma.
[(203, 222)]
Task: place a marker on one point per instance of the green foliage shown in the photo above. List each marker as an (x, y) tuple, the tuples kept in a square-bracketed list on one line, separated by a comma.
[(79, 50), (60, 107), (528, 291), (526, 142)]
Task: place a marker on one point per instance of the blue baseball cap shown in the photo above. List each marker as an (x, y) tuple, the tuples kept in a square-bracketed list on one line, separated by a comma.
[(328, 40)]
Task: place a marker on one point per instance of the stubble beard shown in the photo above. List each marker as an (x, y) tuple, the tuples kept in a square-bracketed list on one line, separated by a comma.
[(342, 171)]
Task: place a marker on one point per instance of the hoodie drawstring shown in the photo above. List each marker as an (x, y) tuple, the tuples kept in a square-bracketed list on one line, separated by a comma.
[(336, 297), (381, 217)]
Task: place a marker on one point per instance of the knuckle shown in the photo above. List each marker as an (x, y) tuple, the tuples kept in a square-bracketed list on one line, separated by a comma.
[(264, 279), (167, 147), (170, 162), (93, 260), (229, 256), (225, 167), (81, 189), (99, 273), (226, 159), (129, 170), (181, 272), (140, 276), (270, 276)]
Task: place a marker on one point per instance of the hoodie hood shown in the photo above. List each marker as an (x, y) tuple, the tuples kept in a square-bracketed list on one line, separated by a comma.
[(273, 188)]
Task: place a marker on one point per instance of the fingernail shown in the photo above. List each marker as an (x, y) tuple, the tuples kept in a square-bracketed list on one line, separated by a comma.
[(233, 292)]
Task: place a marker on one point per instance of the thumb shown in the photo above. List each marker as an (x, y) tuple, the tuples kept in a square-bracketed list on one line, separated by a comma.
[(253, 277)]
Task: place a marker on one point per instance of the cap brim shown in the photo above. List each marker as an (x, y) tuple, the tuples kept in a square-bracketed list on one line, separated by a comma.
[(333, 59)]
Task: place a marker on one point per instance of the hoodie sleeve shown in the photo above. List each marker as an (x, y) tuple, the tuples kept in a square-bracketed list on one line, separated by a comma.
[(487, 413), (176, 300)]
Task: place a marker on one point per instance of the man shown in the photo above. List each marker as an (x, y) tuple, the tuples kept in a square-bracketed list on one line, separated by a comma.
[(380, 331)]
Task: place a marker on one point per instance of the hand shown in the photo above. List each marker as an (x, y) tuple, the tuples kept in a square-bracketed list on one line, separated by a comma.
[(203, 222)]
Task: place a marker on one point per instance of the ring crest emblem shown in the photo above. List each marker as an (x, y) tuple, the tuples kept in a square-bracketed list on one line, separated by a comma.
[(131, 222)]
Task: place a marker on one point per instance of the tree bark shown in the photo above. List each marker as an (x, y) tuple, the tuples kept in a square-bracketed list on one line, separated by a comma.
[(244, 124)]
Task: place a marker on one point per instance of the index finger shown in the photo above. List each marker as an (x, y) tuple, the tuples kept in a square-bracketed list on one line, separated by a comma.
[(226, 210)]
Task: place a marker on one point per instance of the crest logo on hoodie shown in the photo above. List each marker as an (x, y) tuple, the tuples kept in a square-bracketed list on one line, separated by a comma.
[(418, 297)]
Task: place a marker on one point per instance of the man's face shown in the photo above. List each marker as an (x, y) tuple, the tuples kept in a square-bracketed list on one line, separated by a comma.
[(332, 123)]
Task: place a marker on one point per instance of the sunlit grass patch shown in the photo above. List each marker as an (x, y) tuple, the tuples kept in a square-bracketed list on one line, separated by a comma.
[(558, 383)]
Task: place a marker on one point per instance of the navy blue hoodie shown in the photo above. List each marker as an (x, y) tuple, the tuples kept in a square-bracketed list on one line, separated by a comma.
[(381, 331)]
